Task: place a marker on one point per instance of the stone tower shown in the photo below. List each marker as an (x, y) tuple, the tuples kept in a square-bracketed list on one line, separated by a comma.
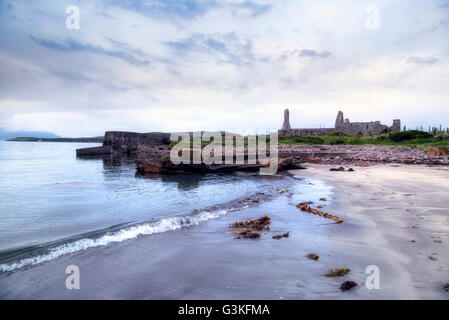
[(340, 119), (396, 125), (286, 124)]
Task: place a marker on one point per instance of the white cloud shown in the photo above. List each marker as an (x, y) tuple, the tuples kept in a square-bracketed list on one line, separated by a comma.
[(234, 65)]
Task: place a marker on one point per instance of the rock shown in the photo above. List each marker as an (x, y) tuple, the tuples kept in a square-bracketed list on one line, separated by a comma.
[(348, 285), (285, 235), (323, 199), (432, 258), (95, 151), (289, 163), (149, 166), (148, 159), (438, 151), (337, 272), (164, 165), (314, 160), (446, 287), (313, 256), (351, 170), (337, 169), (364, 155)]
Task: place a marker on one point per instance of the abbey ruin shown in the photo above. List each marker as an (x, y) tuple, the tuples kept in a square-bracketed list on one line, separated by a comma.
[(341, 125)]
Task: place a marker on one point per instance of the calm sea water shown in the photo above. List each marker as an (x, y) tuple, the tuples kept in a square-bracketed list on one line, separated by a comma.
[(53, 203)]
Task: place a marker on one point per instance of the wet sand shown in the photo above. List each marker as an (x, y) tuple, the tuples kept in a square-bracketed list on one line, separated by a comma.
[(384, 208)]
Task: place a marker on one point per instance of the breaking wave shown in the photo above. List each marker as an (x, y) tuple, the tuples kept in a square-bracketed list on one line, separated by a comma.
[(56, 249)]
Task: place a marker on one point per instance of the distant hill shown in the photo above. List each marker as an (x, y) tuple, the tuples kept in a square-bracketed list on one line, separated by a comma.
[(5, 134), (35, 139)]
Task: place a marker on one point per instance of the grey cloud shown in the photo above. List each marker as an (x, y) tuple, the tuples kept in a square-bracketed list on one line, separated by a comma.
[(79, 78), (5, 6), (225, 48), (163, 9), (313, 53), (254, 9), (419, 60), (444, 5), (188, 9), (72, 45)]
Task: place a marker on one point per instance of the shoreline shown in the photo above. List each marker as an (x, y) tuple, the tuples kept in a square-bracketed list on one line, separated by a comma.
[(379, 206)]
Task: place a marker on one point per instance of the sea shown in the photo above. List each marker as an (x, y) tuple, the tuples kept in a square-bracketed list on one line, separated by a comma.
[(53, 203)]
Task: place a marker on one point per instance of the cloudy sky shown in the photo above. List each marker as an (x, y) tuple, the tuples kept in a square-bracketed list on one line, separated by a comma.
[(154, 65)]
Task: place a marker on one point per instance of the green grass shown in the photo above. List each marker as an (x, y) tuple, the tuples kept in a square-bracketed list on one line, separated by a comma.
[(413, 139)]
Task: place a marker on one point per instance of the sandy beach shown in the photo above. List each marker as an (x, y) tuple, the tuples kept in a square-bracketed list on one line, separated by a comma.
[(395, 217)]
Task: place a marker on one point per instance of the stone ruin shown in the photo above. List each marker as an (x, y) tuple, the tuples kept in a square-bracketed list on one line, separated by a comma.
[(125, 143), (341, 125)]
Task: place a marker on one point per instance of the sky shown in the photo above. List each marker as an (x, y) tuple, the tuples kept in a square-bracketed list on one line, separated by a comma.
[(154, 65)]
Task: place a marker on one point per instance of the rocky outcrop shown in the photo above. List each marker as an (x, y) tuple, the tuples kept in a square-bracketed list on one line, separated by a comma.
[(164, 165), (120, 142), (361, 155), (158, 161), (95, 151)]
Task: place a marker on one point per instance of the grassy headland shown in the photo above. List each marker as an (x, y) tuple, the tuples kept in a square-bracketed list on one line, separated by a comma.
[(412, 138)]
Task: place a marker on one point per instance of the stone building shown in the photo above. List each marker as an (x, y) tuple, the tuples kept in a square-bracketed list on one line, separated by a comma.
[(341, 125)]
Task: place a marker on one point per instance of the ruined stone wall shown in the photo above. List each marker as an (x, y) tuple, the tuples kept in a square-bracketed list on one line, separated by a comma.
[(364, 128), (341, 124), (315, 131), (129, 141), (305, 132), (396, 125), (120, 142)]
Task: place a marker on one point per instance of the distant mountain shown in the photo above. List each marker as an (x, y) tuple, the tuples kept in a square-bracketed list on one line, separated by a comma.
[(38, 139), (5, 135)]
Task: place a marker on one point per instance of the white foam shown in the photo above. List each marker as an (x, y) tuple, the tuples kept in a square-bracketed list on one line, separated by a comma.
[(163, 225)]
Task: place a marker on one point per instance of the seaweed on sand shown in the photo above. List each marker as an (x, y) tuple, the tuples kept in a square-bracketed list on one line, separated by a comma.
[(250, 227), (257, 224), (305, 206)]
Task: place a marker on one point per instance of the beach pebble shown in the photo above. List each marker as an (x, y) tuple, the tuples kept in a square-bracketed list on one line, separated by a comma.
[(348, 285), (313, 256)]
